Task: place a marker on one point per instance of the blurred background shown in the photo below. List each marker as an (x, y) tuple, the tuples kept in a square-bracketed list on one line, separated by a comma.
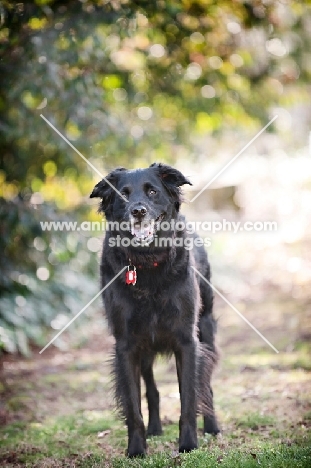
[(188, 83)]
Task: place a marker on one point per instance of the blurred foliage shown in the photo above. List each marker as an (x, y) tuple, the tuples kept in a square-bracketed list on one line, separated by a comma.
[(129, 82), (44, 275)]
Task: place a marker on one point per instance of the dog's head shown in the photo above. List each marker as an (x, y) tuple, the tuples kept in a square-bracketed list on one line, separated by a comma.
[(143, 198)]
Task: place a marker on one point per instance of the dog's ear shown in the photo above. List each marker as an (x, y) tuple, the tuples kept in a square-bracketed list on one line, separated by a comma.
[(172, 179), (104, 189), (171, 176), (100, 189)]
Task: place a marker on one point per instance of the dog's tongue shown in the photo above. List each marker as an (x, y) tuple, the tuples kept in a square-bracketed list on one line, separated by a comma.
[(140, 231)]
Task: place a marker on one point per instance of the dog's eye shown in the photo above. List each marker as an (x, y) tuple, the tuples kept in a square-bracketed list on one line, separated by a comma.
[(152, 192), (125, 193)]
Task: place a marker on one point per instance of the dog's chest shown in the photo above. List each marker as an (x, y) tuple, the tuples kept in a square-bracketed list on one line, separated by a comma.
[(159, 336), (153, 326)]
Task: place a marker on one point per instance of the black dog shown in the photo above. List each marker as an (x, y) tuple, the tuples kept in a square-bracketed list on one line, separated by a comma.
[(160, 305)]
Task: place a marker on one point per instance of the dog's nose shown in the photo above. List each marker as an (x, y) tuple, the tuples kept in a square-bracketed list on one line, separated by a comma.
[(139, 212)]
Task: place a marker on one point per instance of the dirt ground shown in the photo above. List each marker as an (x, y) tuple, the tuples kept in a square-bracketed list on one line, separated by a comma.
[(61, 402)]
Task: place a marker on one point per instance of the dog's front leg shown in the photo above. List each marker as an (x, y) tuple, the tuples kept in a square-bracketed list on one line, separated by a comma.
[(128, 394), (186, 363)]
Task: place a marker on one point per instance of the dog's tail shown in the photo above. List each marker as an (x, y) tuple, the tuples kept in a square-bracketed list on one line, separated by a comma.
[(207, 361)]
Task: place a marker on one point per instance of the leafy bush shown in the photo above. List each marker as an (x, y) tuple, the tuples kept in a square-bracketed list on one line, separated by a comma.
[(129, 83), (46, 276)]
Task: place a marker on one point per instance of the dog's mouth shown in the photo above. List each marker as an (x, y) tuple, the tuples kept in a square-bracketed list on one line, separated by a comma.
[(144, 232)]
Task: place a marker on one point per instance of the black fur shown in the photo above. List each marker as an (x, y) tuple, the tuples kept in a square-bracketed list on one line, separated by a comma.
[(169, 310)]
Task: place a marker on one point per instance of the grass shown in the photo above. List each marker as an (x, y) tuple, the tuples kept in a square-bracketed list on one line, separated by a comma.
[(61, 443), (255, 421), (58, 411)]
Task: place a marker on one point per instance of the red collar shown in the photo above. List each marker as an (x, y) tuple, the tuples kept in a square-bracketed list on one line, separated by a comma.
[(154, 264)]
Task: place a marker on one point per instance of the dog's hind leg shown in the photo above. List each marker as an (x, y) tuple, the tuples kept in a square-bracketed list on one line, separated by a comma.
[(152, 394), (127, 375)]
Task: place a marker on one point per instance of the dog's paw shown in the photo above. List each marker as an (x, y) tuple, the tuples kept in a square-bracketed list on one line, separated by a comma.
[(137, 446), (187, 447), (154, 429), (210, 426), (136, 452), (188, 439)]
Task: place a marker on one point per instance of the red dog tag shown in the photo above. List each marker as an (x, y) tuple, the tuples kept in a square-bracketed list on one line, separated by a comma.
[(131, 275)]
